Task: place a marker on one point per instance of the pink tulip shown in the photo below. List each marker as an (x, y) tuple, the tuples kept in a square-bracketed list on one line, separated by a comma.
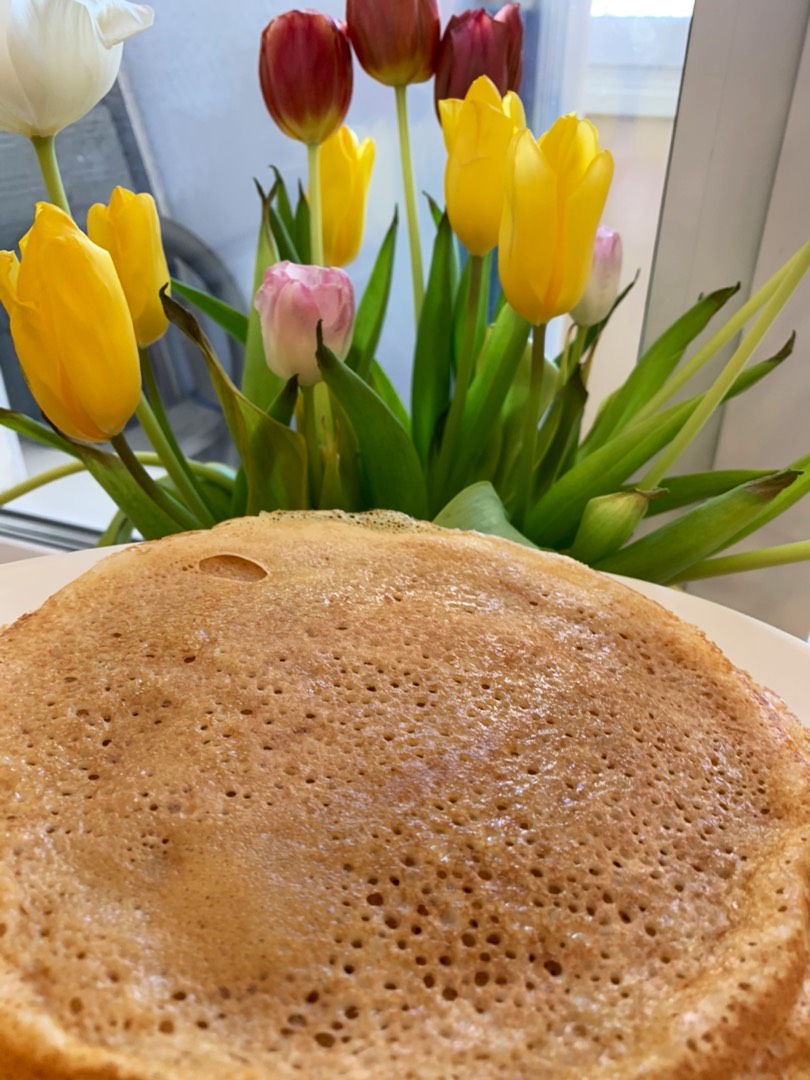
[(291, 301), (603, 284)]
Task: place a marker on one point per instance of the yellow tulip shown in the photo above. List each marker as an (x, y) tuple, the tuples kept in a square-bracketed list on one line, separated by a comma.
[(555, 194), (477, 133), (346, 166), (71, 328), (130, 230)]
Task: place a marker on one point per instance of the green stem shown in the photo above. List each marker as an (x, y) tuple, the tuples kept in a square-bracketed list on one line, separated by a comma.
[(410, 202), (49, 167), (724, 335), (173, 464), (310, 426), (40, 480), (176, 511), (782, 555), (169, 447), (525, 464), (464, 372), (720, 387), (70, 468), (111, 533), (572, 354), (315, 207)]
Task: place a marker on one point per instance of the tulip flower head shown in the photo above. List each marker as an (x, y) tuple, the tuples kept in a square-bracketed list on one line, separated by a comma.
[(60, 57), (346, 166), (291, 301), (476, 43), (555, 192), (71, 328), (130, 230), (396, 41), (477, 133), (603, 284), (305, 70)]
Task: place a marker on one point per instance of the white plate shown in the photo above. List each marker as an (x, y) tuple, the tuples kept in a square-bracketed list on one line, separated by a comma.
[(773, 658)]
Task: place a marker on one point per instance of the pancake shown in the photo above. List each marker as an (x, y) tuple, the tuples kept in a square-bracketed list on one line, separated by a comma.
[(351, 797)]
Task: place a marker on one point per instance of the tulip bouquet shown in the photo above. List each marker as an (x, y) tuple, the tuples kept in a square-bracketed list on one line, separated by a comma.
[(493, 439)]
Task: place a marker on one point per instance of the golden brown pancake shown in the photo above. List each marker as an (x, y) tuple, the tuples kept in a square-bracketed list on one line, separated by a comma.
[(351, 798)]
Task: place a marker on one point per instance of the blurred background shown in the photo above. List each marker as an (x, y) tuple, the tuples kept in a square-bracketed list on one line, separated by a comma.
[(702, 103)]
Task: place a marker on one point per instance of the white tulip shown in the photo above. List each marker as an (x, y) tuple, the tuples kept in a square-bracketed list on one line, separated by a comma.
[(58, 58)]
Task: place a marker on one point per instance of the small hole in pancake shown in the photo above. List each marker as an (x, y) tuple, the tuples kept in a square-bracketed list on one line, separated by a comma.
[(235, 567)]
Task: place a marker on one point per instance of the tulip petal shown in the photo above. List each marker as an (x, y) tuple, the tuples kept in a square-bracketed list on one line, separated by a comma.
[(9, 269), (130, 231), (474, 177), (449, 113), (513, 108), (526, 250), (345, 175), (63, 62), (579, 218), (75, 343), (116, 20), (484, 90)]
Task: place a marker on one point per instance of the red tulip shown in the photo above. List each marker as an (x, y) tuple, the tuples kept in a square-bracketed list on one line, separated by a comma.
[(474, 44), (305, 70), (395, 40)]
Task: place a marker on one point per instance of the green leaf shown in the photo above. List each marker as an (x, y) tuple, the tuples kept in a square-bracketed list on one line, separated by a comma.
[(679, 491), (281, 198), (478, 508), (664, 554), (303, 240), (112, 475), (430, 389), (783, 501), (553, 520), (391, 475), (379, 381), (232, 321), (460, 306), (436, 211), (119, 531), (36, 432), (240, 494), (572, 405), (283, 407), (259, 384), (370, 317), (653, 369), (284, 240), (497, 365), (273, 456)]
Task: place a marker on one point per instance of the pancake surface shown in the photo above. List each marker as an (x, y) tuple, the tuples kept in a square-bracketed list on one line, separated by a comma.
[(332, 797)]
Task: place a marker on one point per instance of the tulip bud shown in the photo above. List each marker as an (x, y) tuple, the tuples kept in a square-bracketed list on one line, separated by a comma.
[(603, 284), (71, 328), (555, 193), (608, 522), (345, 174), (395, 40), (130, 230), (291, 301), (474, 44), (60, 58), (477, 133), (305, 70)]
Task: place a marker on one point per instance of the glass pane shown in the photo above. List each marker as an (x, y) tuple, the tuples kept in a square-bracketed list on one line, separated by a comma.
[(189, 123)]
